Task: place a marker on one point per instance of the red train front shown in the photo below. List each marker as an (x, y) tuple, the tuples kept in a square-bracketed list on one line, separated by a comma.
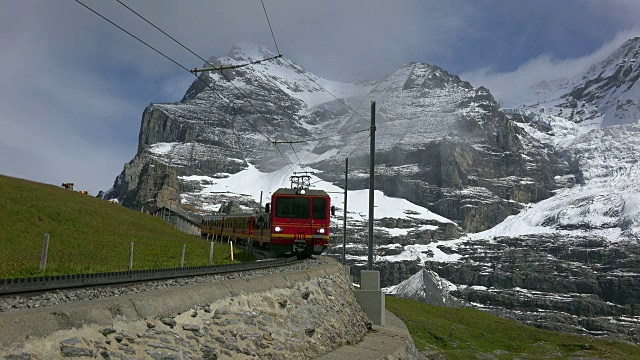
[(296, 222), (300, 222)]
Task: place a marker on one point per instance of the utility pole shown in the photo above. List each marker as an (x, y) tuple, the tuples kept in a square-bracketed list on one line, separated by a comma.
[(344, 221), (371, 182)]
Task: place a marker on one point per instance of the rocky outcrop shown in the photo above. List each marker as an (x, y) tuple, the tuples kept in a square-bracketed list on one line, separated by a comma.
[(478, 175), (427, 287), (583, 285), (145, 182), (158, 126)]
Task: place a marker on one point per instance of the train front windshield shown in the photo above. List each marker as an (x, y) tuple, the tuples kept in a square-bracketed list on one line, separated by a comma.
[(319, 208), (293, 207)]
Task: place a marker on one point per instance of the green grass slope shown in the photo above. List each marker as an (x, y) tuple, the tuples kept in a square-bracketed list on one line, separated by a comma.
[(454, 333), (87, 234)]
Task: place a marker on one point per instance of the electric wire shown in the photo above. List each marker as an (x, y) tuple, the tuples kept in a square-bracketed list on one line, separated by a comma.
[(254, 62), (186, 48), (184, 68), (334, 135), (322, 87), (220, 70), (356, 148), (270, 28)]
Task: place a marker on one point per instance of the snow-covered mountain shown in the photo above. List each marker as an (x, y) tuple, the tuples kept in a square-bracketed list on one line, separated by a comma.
[(531, 212), (605, 94), (441, 144), (568, 262)]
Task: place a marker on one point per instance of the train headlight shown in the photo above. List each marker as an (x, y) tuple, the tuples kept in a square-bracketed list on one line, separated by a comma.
[(320, 231), (277, 229)]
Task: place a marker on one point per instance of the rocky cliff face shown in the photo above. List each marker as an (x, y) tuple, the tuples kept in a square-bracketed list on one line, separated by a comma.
[(146, 182), (440, 142)]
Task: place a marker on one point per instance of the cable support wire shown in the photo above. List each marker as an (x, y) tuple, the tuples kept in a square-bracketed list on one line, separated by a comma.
[(310, 78), (270, 28), (356, 148), (322, 87), (292, 65), (184, 68), (231, 67), (218, 69)]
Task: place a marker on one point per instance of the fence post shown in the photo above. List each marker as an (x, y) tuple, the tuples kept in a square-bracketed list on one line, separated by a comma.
[(184, 249), (231, 245), (45, 252), (131, 256), (211, 254)]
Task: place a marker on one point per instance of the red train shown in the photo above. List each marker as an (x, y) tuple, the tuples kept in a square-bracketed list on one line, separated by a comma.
[(296, 222)]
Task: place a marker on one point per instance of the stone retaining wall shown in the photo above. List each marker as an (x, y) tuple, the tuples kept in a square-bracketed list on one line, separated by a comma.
[(301, 314)]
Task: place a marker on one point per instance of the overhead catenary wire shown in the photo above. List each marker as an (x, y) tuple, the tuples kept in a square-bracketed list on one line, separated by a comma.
[(270, 28), (315, 82), (184, 68), (322, 87), (218, 69)]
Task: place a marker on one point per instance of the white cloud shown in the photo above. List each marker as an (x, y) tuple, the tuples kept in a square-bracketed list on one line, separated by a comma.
[(510, 87)]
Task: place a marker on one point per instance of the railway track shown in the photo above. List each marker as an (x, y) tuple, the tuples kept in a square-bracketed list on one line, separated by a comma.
[(18, 286)]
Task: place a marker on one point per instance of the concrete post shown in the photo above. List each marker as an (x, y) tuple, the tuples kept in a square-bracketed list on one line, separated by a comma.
[(211, 254), (370, 297), (231, 246), (45, 253), (131, 256)]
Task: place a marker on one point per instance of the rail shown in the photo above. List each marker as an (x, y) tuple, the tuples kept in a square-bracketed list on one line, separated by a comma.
[(43, 283)]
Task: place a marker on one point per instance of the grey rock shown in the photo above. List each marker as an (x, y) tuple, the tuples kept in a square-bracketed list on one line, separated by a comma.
[(71, 351), (107, 331), (71, 341), (168, 321), (191, 327), (208, 353), (162, 355), (22, 356)]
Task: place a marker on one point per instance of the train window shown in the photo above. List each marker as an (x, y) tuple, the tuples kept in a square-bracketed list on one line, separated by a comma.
[(319, 208), (293, 207)]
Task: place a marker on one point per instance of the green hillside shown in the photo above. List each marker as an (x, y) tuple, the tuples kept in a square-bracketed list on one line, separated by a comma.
[(454, 333), (87, 234)]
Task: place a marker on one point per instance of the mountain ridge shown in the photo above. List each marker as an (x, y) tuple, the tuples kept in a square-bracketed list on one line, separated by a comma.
[(417, 105)]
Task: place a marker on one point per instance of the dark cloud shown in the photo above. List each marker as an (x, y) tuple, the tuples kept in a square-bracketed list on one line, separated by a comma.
[(74, 87)]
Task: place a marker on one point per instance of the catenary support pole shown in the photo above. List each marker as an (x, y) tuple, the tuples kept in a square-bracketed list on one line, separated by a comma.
[(184, 249), (344, 220), (371, 182)]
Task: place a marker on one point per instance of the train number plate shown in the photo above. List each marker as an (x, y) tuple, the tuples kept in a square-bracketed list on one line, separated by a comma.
[(298, 236)]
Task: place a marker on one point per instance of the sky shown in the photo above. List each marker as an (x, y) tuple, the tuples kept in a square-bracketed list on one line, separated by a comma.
[(73, 87)]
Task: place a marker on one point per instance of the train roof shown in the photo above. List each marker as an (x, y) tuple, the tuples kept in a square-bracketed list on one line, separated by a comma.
[(307, 192), (234, 215)]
